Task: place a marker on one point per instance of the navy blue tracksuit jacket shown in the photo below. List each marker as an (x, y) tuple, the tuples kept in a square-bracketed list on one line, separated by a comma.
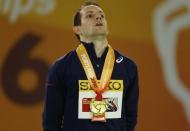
[(68, 93)]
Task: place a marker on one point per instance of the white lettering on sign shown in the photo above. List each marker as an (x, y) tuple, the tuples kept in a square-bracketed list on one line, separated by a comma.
[(166, 35), (16, 8)]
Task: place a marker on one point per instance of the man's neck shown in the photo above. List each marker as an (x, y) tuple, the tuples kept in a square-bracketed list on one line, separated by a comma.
[(99, 45)]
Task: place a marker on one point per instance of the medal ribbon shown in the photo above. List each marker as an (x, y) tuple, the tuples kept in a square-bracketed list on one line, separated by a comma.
[(101, 87)]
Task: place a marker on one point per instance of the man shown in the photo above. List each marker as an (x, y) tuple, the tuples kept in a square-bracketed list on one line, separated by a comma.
[(93, 88)]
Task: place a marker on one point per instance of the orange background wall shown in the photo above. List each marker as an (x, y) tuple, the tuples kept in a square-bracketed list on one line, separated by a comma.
[(31, 41)]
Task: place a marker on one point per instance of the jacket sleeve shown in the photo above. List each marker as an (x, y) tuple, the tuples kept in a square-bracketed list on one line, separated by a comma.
[(132, 98), (54, 99)]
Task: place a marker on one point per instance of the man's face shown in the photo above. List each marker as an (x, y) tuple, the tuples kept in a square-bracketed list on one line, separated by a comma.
[(93, 22)]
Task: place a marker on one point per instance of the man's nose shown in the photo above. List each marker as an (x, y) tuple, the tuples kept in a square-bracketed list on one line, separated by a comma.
[(98, 17)]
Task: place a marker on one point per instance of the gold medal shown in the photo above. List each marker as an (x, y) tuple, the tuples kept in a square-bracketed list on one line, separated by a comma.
[(98, 109), (98, 106)]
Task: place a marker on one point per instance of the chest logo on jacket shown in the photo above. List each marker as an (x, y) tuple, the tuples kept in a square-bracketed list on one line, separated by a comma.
[(119, 60)]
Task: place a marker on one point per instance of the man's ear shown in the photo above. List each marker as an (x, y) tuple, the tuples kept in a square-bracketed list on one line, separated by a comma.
[(76, 30)]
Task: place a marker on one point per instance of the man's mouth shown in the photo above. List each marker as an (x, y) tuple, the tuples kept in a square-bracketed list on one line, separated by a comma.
[(99, 24)]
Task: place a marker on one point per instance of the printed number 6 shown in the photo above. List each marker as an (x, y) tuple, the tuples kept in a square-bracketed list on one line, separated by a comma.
[(17, 60)]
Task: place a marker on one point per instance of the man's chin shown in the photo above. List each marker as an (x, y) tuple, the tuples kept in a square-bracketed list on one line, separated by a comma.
[(100, 33)]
